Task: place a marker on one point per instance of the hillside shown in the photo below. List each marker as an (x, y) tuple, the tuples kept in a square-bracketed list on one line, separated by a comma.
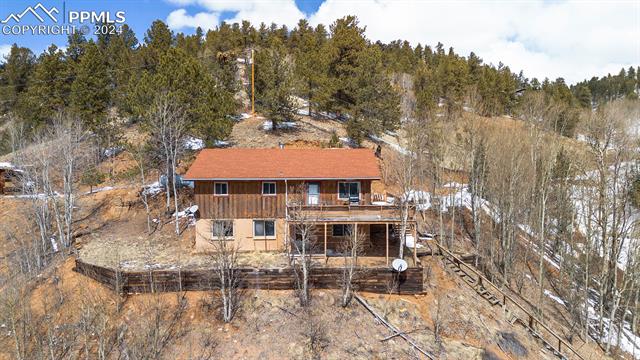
[(270, 323)]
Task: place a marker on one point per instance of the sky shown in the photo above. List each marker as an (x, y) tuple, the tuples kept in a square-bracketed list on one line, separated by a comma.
[(571, 39)]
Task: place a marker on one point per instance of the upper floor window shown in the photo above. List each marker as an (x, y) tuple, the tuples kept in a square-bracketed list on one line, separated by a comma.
[(348, 190), (268, 188), (221, 189)]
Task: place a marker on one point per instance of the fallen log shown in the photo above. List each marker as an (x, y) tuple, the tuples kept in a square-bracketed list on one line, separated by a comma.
[(393, 328)]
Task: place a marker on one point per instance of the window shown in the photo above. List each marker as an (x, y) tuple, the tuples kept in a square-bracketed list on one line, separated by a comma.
[(348, 190), (268, 188), (221, 189), (341, 229), (222, 228), (264, 228)]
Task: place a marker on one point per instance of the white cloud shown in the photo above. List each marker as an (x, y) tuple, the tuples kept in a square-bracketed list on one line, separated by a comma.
[(570, 39), (179, 19), (4, 51)]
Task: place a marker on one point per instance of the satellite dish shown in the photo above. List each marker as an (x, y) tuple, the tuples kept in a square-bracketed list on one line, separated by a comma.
[(399, 265), (193, 209)]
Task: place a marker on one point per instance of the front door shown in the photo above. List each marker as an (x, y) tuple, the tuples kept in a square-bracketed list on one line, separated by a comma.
[(313, 194)]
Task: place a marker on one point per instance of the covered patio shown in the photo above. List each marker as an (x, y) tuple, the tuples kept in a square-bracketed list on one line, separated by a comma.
[(330, 232)]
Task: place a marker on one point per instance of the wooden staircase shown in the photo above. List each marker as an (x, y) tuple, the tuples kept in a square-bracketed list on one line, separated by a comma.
[(514, 312), (475, 283)]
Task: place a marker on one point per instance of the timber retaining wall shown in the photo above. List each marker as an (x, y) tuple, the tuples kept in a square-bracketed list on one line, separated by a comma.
[(371, 279)]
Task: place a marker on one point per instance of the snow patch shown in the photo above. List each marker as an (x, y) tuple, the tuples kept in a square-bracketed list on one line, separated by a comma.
[(555, 298), (192, 143)]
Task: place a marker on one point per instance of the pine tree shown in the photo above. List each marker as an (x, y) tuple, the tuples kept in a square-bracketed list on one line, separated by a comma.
[(274, 83), (376, 103), (90, 93), (75, 46), (47, 91), (184, 80), (124, 65), (346, 43), (157, 41), (583, 94), (424, 87), (15, 74), (311, 62)]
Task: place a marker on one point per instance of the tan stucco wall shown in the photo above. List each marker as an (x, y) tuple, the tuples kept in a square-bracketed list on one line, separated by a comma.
[(242, 236)]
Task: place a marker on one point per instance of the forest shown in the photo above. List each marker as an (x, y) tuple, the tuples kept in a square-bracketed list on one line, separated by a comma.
[(337, 69)]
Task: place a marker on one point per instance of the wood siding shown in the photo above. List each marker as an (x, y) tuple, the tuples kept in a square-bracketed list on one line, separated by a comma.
[(245, 199)]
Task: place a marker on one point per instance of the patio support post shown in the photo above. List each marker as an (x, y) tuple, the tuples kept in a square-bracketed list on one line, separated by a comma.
[(325, 243), (386, 226)]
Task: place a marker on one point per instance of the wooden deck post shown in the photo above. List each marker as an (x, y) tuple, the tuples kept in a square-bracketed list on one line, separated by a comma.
[(387, 242), (325, 243)]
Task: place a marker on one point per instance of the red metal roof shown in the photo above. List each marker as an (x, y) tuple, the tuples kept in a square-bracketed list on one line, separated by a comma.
[(259, 164)]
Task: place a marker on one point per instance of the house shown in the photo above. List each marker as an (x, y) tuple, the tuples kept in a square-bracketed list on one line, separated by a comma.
[(258, 195), (8, 172)]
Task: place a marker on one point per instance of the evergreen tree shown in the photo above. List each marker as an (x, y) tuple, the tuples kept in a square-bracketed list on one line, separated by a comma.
[(452, 75), (377, 104), (583, 94), (124, 65), (47, 91), (75, 46), (311, 62), (424, 87), (15, 74), (90, 93), (157, 41), (184, 80), (344, 47), (274, 83)]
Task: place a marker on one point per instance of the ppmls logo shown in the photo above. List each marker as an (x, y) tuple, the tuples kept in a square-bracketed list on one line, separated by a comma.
[(34, 11), (33, 20)]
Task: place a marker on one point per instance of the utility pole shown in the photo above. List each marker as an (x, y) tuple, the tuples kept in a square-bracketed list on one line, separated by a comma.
[(253, 86)]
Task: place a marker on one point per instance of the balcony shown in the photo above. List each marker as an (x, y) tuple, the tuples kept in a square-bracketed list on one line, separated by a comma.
[(345, 213)]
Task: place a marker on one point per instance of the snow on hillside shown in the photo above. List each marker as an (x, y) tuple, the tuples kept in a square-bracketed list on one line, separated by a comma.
[(462, 197)]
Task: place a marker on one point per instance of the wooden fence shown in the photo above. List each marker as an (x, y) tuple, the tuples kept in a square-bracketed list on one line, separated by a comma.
[(378, 279)]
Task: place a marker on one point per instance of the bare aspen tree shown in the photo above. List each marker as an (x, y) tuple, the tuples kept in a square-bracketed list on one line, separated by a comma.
[(68, 134), (168, 125), (404, 174), (405, 169), (477, 180), (609, 145), (225, 259), (35, 181), (302, 245), (139, 153), (351, 249)]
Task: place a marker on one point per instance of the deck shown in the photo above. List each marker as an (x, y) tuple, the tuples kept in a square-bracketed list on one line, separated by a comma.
[(371, 214)]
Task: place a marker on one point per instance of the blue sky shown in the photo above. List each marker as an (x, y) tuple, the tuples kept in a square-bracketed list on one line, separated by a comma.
[(139, 15), (573, 39)]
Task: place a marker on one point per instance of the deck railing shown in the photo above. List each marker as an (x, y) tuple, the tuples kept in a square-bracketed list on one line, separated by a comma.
[(350, 211)]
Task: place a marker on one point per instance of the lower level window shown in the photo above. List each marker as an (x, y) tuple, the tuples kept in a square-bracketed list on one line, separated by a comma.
[(341, 229), (222, 228), (264, 228)]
